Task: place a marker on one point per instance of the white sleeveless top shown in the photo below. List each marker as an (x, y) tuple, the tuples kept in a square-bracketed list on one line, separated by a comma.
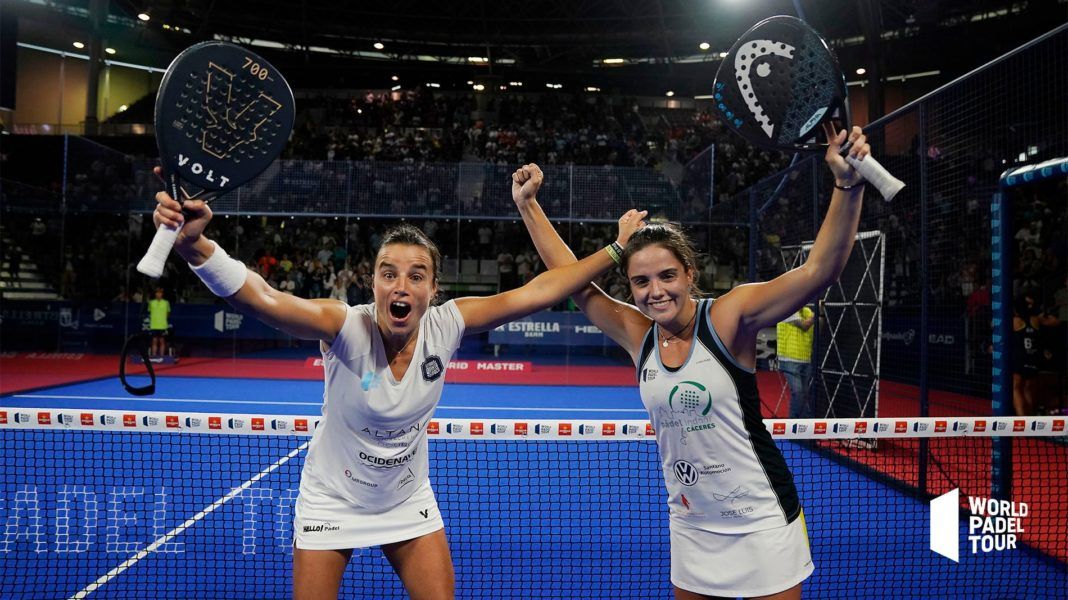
[(722, 469), (371, 447)]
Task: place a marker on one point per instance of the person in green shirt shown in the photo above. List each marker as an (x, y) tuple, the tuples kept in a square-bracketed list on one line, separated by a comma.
[(159, 311), (794, 347)]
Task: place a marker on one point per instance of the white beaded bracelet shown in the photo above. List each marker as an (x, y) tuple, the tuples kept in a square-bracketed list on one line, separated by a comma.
[(223, 275)]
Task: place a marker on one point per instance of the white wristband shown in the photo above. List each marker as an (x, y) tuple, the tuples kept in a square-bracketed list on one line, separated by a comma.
[(223, 275)]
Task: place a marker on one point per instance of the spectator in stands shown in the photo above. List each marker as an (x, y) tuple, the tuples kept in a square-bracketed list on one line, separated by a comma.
[(794, 349), (506, 276), (159, 312), (267, 263), (1029, 353)]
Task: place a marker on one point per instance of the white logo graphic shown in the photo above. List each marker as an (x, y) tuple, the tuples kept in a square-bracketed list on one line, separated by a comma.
[(67, 319), (993, 525), (743, 62), (225, 321), (98, 315)]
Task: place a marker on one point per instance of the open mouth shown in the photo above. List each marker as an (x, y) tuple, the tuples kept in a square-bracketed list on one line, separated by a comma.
[(399, 310)]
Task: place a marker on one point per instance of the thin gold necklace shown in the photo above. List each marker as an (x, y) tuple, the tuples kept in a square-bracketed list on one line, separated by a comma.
[(682, 331), (411, 337)]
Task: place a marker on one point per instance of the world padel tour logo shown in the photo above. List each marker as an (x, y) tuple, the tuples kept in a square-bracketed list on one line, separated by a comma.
[(993, 525)]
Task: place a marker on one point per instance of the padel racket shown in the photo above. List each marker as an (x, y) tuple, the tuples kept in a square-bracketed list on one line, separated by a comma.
[(779, 83), (223, 115)]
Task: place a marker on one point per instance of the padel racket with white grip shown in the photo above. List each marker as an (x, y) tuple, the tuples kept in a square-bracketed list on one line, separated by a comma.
[(223, 115), (778, 84)]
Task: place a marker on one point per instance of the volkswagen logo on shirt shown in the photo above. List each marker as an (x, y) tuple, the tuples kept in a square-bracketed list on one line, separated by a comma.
[(686, 473)]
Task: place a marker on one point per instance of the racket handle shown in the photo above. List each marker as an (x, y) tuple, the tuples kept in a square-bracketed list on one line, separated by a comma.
[(875, 174), (156, 257)]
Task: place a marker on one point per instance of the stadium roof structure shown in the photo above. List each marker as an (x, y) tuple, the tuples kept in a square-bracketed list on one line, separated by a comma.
[(640, 47)]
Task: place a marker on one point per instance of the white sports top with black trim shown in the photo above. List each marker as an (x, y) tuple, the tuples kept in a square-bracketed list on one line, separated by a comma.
[(722, 469), (370, 447)]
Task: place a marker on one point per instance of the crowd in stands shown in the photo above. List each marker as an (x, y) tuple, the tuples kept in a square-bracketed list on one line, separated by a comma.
[(732, 166), (394, 154), (404, 127)]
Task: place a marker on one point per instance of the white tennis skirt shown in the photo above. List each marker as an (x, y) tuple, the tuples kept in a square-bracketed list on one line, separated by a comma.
[(747, 564), (325, 522)]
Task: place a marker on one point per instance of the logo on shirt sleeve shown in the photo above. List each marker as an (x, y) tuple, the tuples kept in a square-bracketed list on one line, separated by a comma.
[(432, 368)]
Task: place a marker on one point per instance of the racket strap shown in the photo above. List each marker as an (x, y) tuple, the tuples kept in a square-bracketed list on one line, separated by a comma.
[(223, 275), (137, 342)]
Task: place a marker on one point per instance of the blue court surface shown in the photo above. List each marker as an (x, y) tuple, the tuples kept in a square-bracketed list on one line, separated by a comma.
[(109, 514)]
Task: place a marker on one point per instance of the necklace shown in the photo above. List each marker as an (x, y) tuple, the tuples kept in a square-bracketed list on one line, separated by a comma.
[(682, 331), (385, 345)]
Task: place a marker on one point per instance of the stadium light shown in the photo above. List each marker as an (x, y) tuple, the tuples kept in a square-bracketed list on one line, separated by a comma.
[(143, 16), (478, 60), (861, 71), (515, 83), (109, 50), (593, 89), (395, 78), (123, 108), (380, 46), (704, 46), (470, 82), (479, 87), (79, 45), (613, 61), (670, 93), (433, 85), (395, 88)]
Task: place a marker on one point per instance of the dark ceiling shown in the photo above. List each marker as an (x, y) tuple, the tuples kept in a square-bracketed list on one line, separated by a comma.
[(559, 40)]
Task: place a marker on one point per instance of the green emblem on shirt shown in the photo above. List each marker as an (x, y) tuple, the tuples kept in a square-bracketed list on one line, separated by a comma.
[(690, 395)]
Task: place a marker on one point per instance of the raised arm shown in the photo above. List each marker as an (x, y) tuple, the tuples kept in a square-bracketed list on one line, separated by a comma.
[(545, 290), (245, 290), (760, 305), (622, 322)]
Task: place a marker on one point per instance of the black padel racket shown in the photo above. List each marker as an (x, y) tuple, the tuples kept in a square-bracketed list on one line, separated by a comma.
[(779, 83), (223, 115)]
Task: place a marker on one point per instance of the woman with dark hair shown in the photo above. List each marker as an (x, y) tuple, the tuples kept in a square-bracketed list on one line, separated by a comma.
[(737, 528), (365, 481)]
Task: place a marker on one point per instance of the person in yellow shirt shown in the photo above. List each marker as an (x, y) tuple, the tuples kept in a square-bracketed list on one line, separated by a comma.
[(794, 346), (159, 311)]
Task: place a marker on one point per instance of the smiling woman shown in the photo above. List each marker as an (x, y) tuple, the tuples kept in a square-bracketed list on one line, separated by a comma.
[(697, 360), (366, 478)]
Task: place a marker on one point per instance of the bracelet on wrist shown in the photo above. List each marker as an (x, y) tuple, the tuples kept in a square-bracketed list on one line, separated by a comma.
[(846, 188), (615, 251)]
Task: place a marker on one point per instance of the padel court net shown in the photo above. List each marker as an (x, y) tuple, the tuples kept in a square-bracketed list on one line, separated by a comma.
[(128, 504)]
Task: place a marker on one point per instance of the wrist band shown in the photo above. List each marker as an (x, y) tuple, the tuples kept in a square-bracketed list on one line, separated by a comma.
[(615, 251), (223, 275), (846, 188)]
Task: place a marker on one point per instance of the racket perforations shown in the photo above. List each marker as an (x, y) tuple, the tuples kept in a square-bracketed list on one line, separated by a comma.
[(228, 114)]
